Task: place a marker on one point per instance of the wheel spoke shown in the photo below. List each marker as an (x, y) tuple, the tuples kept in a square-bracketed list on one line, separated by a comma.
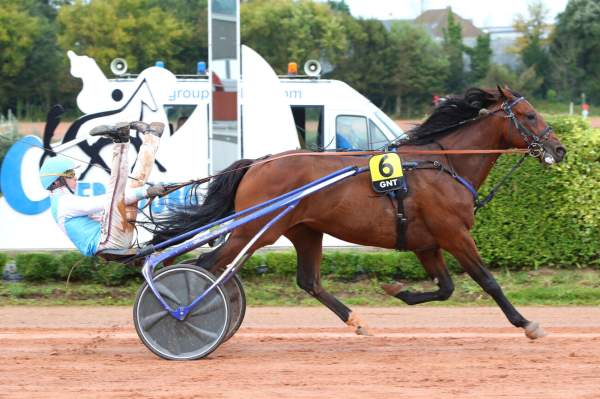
[(208, 305), (150, 321), (201, 333), (188, 286), (167, 293)]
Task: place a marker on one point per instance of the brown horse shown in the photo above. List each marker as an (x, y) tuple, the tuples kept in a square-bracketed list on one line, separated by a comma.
[(439, 208)]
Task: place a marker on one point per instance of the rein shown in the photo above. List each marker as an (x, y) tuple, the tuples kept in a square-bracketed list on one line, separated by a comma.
[(176, 186)]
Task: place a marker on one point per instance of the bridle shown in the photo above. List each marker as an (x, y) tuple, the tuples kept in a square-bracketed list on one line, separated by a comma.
[(534, 141)]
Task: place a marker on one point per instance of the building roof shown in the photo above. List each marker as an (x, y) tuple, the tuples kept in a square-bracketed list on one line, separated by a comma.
[(436, 21)]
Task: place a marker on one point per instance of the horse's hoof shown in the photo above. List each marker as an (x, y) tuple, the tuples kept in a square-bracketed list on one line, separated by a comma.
[(362, 330), (534, 331), (392, 289)]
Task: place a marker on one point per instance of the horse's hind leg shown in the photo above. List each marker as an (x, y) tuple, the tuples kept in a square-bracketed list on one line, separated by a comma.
[(217, 259), (434, 264), (309, 250), (463, 248)]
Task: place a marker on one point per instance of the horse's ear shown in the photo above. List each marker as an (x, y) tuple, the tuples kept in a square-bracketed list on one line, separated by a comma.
[(502, 94)]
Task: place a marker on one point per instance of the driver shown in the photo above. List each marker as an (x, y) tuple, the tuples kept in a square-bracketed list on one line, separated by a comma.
[(342, 136), (101, 222)]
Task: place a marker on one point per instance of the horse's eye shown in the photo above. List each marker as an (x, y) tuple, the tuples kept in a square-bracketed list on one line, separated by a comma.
[(531, 116)]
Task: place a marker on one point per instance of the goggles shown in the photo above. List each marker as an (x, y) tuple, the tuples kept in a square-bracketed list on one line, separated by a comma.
[(67, 173)]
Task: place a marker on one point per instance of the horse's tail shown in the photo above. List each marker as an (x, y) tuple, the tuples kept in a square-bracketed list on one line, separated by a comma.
[(218, 203)]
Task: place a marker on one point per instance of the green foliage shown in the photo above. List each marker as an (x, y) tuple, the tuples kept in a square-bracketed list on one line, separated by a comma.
[(368, 64), (193, 15), (115, 274), (546, 216), (453, 46), (137, 30), (3, 260), (339, 6), (340, 265), (419, 67), (76, 267), (526, 82), (481, 56), (576, 50), (285, 30), (532, 44), (28, 57), (44, 267), (37, 266)]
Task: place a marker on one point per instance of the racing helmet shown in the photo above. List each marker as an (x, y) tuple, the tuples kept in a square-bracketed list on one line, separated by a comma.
[(53, 168)]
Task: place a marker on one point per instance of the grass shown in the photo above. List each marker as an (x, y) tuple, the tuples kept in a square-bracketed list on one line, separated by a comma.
[(539, 287)]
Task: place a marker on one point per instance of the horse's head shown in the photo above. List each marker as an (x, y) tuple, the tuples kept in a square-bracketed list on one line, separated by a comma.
[(526, 128)]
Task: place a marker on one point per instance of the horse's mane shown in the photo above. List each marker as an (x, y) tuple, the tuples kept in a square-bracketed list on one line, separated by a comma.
[(451, 114)]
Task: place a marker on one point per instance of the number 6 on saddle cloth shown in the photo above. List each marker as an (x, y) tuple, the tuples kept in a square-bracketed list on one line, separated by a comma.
[(386, 173)]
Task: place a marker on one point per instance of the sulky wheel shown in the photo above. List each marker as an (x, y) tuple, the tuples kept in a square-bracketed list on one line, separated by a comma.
[(204, 328), (237, 301)]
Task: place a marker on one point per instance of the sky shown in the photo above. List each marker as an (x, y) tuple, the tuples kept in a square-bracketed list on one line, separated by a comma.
[(484, 13)]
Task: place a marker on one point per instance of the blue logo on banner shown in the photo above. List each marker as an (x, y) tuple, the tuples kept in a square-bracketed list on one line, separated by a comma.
[(10, 178), (12, 185)]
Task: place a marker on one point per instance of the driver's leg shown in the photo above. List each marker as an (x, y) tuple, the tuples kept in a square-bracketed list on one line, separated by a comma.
[(144, 163), (115, 230)]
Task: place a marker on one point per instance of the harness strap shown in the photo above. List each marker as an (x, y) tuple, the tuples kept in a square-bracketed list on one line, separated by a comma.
[(494, 191), (439, 166), (397, 199), (401, 221), (478, 203)]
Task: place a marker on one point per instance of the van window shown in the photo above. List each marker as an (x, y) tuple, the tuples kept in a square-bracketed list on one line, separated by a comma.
[(378, 139), (351, 132), (309, 125)]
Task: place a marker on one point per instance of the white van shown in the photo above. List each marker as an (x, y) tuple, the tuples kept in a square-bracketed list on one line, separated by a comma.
[(331, 115)]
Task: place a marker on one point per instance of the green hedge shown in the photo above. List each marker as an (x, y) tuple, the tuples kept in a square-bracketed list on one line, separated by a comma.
[(342, 265), (41, 267), (546, 216)]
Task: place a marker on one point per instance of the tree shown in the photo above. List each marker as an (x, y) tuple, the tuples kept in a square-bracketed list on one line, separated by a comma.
[(575, 49), (481, 56), (285, 30), (566, 74), (368, 64), (420, 68), (532, 44), (339, 5), (137, 30), (526, 82), (453, 47), (28, 54), (193, 14)]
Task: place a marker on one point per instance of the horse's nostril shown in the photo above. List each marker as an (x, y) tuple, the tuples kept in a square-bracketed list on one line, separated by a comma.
[(560, 152)]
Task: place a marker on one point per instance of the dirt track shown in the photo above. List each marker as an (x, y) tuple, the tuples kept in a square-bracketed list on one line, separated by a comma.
[(422, 352)]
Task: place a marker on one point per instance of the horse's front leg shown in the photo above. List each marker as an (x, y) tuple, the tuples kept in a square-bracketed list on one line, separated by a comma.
[(434, 264), (463, 248)]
